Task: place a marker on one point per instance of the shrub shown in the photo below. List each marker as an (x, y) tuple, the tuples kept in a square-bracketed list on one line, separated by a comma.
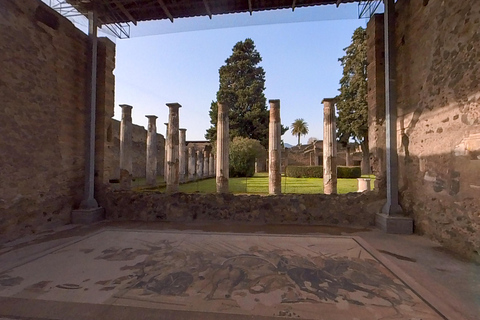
[(304, 172), (317, 172), (243, 152), (349, 172)]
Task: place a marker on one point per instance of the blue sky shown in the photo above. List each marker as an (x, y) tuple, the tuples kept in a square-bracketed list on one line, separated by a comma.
[(179, 64)]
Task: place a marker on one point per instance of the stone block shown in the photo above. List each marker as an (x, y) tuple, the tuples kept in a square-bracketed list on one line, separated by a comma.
[(88, 216), (394, 224)]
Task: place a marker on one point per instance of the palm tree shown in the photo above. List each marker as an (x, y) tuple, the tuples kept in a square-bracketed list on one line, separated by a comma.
[(299, 128)]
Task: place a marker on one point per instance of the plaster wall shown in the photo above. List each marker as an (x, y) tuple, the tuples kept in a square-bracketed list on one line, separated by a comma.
[(438, 97)]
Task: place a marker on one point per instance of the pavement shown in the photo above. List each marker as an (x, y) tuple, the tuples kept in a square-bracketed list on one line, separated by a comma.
[(140, 270)]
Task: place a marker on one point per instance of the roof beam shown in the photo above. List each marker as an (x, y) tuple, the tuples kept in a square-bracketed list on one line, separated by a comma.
[(125, 11), (250, 6), (207, 7), (165, 10), (338, 2), (294, 5)]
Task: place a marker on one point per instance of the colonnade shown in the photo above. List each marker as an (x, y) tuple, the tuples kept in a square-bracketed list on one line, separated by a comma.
[(182, 163), (186, 163)]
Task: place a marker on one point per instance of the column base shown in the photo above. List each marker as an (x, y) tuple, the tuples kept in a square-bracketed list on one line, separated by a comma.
[(88, 216), (394, 224)]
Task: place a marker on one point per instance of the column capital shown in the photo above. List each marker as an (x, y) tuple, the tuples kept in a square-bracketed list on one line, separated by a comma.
[(151, 117), (126, 107), (274, 110), (174, 105), (329, 100), (222, 107), (182, 129)]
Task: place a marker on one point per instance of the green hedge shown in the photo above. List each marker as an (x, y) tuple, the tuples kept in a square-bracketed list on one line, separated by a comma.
[(304, 172), (317, 172), (349, 172)]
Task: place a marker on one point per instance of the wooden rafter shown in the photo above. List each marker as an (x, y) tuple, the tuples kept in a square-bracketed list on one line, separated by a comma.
[(165, 10), (250, 6), (338, 2), (294, 4), (207, 8), (125, 11)]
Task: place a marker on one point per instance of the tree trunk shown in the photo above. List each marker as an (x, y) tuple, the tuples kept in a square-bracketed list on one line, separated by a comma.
[(365, 157), (298, 139)]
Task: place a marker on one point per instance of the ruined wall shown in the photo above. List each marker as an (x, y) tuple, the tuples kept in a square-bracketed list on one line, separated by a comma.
[(139, 149), (353, 209), (44, 96), (438, 96)]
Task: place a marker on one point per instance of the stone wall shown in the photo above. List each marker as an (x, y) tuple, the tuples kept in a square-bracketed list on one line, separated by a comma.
[(44, 95), (353, 209), (438, 97), (139, 149)]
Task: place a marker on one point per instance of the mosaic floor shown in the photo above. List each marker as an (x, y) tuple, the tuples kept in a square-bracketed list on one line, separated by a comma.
[(301, 277)]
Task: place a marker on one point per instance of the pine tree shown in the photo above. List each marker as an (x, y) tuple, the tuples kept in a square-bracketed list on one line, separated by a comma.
[(352, 121), (242, 85)]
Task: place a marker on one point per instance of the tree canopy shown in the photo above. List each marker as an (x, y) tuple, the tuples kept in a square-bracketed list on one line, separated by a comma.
[(242, 85), (299, 128), (352, 121)]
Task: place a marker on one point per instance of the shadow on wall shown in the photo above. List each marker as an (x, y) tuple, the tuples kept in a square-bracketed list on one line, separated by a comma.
[(441, 192)]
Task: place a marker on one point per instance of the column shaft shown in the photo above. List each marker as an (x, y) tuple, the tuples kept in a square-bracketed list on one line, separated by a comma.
[(329, 147), (126, 128), (206, 167), (199, 164), (165, 157), (172, 177), (151, 165), (211, 165), (223, 140), (182, 155), (192, 162), (274, 151)]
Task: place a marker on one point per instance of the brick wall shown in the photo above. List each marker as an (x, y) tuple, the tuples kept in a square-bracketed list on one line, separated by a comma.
[(438, 92), (43, 119)]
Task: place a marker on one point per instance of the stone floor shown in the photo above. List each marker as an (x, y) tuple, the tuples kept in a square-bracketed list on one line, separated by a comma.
[(210, 271)]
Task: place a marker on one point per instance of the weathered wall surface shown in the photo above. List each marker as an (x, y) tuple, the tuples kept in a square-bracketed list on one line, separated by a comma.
[(139, 149), (438, 87), (43, 92), (353, 209)]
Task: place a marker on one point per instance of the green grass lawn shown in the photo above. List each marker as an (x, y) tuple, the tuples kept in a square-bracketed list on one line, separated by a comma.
[(258, 184)]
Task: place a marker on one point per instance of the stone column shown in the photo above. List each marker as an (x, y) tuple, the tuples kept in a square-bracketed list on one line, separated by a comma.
[(126, 128), (274, 151), (211, 165), (206, 166), (191, 163), (151, 167), (199, 164), (172, 148), (165, 157), (348, 157), (182, 155), (315, 154), (223, 140), (329, 147)]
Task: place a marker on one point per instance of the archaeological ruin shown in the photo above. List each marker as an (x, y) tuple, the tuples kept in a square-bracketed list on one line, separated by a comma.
[(65, 159)]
